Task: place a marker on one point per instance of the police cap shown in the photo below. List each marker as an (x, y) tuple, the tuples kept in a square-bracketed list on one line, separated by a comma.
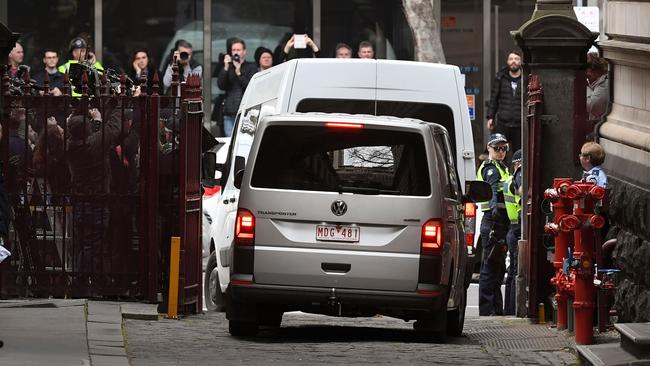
[(496, 138), (78, 42), (517, 156)]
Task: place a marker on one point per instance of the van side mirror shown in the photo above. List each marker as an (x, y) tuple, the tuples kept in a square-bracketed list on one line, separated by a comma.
[(208, 164), (477, 191), (240, 164)]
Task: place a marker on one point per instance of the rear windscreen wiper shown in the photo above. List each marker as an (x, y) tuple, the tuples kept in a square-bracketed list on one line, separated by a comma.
[(365, 190)]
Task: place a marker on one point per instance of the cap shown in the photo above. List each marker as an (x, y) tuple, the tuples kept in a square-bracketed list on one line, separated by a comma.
[(78, 42), (517, 156), (495, 138)]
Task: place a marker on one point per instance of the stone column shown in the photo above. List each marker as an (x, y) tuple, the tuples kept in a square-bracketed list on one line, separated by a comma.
[(554, 46), (625, 136)]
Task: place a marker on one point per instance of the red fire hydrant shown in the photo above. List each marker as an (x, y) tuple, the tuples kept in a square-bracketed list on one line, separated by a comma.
[(584, 259), (561, 196)]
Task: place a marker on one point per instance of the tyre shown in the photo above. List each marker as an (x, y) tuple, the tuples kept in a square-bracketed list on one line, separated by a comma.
[(271, 318), (214, 298), (241, 329), (456, 317), (432, 326)]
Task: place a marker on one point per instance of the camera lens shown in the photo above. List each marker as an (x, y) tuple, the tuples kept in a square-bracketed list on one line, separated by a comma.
[(235, 58), (184, 55)]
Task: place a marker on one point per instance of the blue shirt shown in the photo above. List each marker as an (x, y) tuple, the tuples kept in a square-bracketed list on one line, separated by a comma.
[(595, 175)]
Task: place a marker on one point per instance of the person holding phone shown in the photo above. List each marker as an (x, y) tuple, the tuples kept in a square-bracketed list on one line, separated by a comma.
[(299, 46), (183, 55), (142, 68), (233, 78)]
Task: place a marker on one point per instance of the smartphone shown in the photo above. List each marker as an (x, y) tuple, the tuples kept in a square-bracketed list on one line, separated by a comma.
[(299, 41)]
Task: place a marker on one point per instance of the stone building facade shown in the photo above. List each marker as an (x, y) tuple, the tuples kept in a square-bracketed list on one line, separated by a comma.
[(625, 135)]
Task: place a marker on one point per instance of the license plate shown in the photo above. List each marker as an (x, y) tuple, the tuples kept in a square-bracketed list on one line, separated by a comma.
[(337, 233)]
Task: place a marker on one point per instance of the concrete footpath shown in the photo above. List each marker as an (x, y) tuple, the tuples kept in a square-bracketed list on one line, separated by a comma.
[(61, 332)]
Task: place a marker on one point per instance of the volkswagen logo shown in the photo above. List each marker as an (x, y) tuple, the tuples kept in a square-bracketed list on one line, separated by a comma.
[(339, 207)]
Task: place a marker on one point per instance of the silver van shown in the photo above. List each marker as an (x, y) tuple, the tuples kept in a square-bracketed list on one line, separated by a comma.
[(405, 89), (349, 215)]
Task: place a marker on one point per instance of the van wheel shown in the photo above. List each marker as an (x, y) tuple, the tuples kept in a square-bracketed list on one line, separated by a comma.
[(456, 317), (271, 318), (214, 298), (241, 329), (432, 326)]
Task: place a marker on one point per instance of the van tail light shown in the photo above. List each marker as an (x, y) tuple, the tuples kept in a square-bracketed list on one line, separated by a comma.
[(245, 228), (343, 125), (431, 243), (470, 225)]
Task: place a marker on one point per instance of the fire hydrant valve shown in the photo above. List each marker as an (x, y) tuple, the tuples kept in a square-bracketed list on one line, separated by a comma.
[(597, 221), (569, 223), (597, 192)]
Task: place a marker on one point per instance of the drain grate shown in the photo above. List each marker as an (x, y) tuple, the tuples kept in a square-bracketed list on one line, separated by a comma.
[(529, 344), (518, 337)]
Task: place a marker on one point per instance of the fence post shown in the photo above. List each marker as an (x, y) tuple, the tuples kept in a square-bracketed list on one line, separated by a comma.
[(7, 43), (190, 194), (150, 184)]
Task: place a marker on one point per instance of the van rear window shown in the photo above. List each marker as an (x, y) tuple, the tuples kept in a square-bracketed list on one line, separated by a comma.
[(365, 161), (431, 112)]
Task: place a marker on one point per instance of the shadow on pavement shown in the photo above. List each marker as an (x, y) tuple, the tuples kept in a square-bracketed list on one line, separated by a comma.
[(333, 333)]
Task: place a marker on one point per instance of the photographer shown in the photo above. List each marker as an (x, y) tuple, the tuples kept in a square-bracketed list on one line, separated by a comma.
[(299, 46), (233, 79), (187, 66), (90, 140)]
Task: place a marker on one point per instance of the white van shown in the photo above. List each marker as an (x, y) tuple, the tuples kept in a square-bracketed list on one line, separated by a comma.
[(428, 92)]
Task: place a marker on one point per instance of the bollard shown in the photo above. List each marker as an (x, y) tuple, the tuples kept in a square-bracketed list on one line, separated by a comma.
[(541, 313), (172, 305)]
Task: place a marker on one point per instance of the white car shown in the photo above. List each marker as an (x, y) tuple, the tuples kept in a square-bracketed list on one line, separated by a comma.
[(211, 198)]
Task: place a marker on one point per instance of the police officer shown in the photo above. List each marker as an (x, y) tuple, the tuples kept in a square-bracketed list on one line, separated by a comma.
[(512, 197), (79, 52), (494, 227)]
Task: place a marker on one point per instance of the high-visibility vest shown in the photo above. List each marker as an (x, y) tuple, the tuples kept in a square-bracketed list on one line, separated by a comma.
[(512, 200), (504, 174), (66, 66)]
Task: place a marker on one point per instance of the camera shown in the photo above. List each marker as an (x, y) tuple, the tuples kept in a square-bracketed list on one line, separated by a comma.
[(236, 58), (184, 56)]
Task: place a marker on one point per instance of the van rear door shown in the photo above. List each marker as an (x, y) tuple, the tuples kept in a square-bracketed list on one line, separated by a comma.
[(340, 205)]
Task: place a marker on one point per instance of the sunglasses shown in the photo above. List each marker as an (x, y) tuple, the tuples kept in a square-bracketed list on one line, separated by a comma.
[(500, 148)]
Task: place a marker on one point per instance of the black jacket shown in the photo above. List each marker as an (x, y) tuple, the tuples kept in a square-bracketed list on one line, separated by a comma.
[(234, 85), (87, 156), (505, 104)]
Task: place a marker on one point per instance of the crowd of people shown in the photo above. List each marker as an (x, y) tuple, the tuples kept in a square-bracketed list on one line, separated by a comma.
[(234, 71)]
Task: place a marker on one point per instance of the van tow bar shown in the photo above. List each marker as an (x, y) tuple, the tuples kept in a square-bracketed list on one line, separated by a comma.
[(334, 303)]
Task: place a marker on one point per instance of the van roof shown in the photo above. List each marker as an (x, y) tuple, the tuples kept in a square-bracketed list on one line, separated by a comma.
[(356, 118), (405, 63)]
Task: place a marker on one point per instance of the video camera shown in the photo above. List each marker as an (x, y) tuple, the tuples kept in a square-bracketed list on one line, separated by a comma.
[(94, 79), (17, 83)]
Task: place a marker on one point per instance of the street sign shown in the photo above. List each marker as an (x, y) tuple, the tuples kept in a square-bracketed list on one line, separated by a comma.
[(471, 106)]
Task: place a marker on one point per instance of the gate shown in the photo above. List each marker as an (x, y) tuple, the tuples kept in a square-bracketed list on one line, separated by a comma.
[(98, 184)]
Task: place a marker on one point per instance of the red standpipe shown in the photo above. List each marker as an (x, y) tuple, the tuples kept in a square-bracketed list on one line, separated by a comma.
[(561, 196), (584, 260)]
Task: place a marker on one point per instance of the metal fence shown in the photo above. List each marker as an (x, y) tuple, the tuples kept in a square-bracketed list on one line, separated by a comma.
[(97, 181)]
